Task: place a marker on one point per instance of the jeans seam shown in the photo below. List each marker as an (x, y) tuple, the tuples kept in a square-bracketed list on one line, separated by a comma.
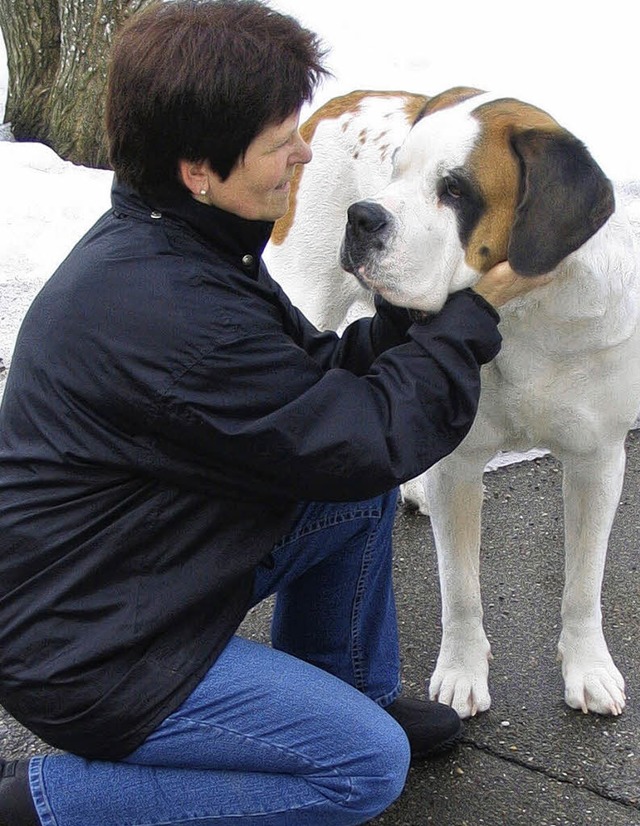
[(356, 653), (326, 522), (327, 769), (38, 792), (357, 658), (226, 816)]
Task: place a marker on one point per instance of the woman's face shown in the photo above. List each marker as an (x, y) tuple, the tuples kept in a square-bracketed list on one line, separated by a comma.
[(259, 185)]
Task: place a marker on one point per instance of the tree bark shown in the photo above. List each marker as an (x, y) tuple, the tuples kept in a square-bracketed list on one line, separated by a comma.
[(31, 31), (57, 54)]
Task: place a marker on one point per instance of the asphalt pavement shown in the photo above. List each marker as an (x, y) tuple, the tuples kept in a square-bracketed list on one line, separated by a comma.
[(529, 760)]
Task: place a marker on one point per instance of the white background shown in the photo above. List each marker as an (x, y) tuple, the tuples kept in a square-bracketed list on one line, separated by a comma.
[(577, 60)]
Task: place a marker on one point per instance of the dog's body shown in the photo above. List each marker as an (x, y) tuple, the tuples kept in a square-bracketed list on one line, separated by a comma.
[(477, 180)]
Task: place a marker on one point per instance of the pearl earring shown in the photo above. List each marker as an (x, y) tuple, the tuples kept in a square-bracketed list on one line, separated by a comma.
[(203, 191)]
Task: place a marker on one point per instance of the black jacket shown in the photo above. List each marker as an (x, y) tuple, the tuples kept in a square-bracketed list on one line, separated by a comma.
[(165, 412)]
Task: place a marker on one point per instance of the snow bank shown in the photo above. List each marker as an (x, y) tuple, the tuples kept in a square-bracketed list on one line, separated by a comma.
[(46, 205)]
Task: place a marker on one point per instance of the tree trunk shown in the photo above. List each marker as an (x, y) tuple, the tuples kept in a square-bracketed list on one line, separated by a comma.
[(32, 37), (57, 54)]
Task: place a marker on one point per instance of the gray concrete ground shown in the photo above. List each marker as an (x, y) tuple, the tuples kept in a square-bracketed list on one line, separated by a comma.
[(530, 760)]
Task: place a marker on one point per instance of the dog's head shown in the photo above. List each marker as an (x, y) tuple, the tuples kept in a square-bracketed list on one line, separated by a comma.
[(478, 180)]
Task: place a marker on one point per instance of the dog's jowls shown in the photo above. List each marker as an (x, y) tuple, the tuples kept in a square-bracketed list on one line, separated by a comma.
[(437, 191)]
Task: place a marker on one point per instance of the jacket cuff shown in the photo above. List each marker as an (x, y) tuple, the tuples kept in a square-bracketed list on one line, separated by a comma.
[(466, 321), (482, 302), (390, 325)]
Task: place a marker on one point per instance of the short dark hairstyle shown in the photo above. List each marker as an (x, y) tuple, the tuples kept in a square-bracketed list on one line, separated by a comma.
[(199, 80)]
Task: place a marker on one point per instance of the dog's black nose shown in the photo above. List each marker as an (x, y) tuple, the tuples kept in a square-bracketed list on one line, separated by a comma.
[(367, 218)]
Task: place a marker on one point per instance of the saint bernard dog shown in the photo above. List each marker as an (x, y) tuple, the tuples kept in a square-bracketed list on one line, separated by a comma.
[(433, 192)]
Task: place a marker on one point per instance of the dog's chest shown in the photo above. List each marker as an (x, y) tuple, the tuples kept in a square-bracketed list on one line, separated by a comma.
[(537, 395), (525, 397)]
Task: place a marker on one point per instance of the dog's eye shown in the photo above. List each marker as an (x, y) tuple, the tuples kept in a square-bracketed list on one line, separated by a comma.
[(449, 186)]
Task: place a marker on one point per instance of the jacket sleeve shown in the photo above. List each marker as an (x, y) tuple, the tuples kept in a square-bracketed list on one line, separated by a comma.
[(359, 344), (264, 416)]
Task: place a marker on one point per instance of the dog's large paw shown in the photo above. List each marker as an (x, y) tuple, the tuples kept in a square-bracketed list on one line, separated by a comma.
[(461, 677), (592, 681)]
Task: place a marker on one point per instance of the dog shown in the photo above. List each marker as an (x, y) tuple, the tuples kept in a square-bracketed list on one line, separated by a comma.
[(433, 192)]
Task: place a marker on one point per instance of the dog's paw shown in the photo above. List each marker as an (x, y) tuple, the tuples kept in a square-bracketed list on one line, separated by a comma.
[(592, 681), (461, 677)]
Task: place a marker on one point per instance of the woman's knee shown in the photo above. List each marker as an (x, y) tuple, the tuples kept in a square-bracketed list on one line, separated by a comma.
[(378, 771)]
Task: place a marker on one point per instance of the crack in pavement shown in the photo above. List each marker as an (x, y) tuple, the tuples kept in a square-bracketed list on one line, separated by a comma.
[(559, 777)]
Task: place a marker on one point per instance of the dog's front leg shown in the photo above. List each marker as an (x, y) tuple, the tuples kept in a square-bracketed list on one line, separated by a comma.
[(591, 488), (454, 490)]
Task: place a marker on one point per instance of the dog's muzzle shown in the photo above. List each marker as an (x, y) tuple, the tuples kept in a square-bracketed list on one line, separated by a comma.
[(368, 228)]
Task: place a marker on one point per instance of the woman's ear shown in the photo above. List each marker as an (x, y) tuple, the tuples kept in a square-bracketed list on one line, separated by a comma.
[(195, 176)]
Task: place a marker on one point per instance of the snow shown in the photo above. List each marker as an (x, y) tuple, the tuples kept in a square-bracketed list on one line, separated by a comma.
[(46, 204), (577, 65)]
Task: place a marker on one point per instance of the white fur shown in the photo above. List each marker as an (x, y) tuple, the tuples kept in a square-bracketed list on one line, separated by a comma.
[(424, 261), (567, 378), (342, 171)]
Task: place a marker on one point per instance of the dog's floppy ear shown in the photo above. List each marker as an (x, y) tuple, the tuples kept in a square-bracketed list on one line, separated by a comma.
[(564, 199)]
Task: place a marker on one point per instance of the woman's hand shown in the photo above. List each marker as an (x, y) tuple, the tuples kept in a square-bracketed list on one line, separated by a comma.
[(500, 284)]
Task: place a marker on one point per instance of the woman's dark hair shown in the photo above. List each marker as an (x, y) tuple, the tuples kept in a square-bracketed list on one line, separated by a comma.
[(199, 80)]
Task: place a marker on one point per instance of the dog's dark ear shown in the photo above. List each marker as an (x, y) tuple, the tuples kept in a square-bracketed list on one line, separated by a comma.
[(564, 199)]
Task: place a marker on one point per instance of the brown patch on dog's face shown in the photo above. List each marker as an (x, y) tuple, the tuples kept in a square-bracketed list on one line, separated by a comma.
[(336, 108), (495, 168)]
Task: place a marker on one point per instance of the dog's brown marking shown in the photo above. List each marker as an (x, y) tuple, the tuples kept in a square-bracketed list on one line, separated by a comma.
[(414, 104), (336, 108), (496, 169), (444, 100)]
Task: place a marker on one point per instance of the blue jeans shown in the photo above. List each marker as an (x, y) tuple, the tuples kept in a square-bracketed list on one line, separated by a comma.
[(289, 735)]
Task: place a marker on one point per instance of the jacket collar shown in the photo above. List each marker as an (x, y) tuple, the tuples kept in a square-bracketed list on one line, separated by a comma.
[(226, 232)]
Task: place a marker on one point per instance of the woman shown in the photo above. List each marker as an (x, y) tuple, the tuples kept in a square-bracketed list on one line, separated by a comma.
[(177, 442)]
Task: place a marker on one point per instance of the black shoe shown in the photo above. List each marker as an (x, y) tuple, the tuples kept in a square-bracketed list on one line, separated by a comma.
[(16, 803), (432, 728)]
